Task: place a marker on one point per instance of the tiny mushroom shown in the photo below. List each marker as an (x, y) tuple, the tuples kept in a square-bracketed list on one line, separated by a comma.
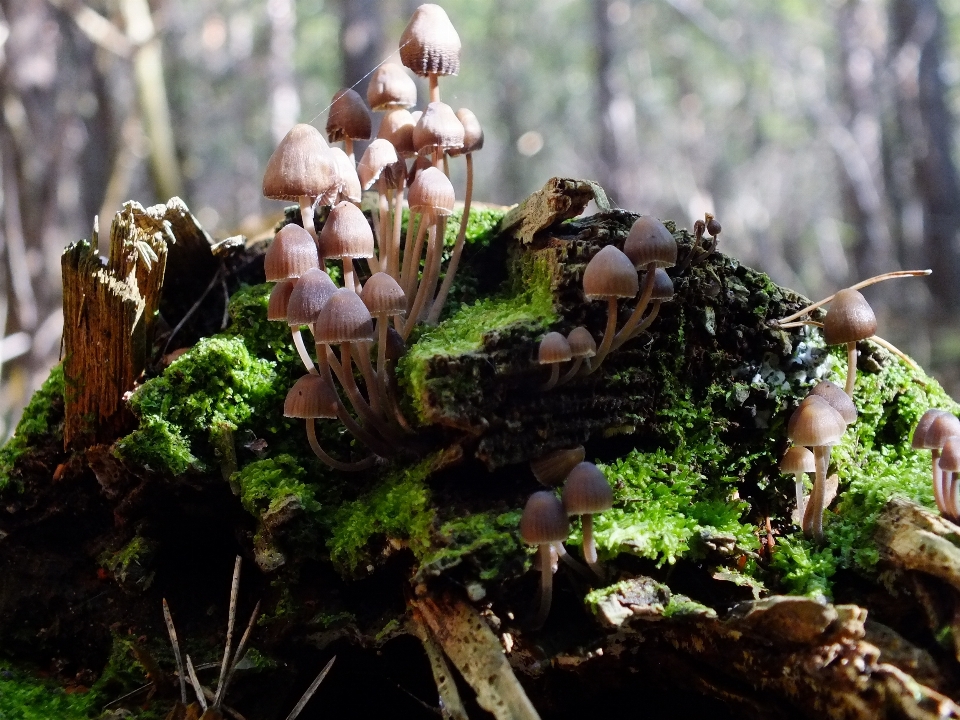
[(609, 276), (797, 461), (582, 348), (950, 466), (544, 523), (554, 349), (849, 319), (931, 433), (585, 493), (552, 469)]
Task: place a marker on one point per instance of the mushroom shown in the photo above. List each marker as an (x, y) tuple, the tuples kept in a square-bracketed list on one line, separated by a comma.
[(390, 88), (552, 469), (279, 298), (383, 297), (662, 292), (381, 165), (585, 493), (301, 169), (931, 433), (348, 120), (838, 399), (309, 295), (582, 347), (609, 275), (430, 46), (797, 461), (554, 349), (437, 131), (849, 319), (543, 523), (950, 466), (292, 252), (815, 424), (346, 235)]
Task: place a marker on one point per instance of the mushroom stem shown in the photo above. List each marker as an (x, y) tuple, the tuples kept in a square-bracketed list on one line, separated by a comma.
[(938, 481), (353, 427), (886, 345), (393, 266), (302, 351), (951, 494), (437, 307), (851, 368), (572, 562), (431, 271), (648, 320), (434, 87), (608, 334), (385, 233), (646, 292), (861, 284), (798, 482), (813, 513), (546, 587), (349, 277), (799, 323), (369, 377), (306, 213), (344, 373), (572, 372), (332, 462), (589, 546), (348, 148), (554, 377), (411, 261)]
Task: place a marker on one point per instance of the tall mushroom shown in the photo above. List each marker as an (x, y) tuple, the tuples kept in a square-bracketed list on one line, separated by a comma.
[(585, 493), (582, 348), (609, 276), (430, 46), (390, 88), (348, 120), (346, 235), (849, 319), (309, 295), (543, 523)]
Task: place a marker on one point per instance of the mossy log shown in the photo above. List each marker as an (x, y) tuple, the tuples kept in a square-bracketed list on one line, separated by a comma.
[(413, 573)]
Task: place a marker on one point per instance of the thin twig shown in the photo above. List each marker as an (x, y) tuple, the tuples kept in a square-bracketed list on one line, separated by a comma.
[(197, 687), (242, 647), (172, 631), (310, 691), (231, 621)]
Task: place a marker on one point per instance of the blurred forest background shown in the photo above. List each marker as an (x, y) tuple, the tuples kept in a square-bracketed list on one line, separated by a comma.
[(822, 133)]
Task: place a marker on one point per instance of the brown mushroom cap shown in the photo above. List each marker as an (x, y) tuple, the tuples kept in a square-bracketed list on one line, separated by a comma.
[(397, 127), (662, 286), (311, 397), (950, 454), (383, 295), (348, 117), (438, 128), (279, 298), (310, 294), (472, 133), (300, 166), (349, 188), (344, 318), (430, 44), (291, 254), (431, 193), (649, 241), (554, 348), (920, 433), (835, 395), (798, 459), (849, 318), (587, 491), (943, 426), (815, 423), (552, 469), (378, 159), (610, 274), (346, 233), (581, 342), (390, 88), (544, 519)]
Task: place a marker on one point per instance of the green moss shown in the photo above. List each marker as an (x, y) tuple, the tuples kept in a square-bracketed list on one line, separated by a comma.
[(529, 302), (398, 507), (157, 445), (35, 423), (805, 568), (489, 541), (482, 228), (25, 697), (682, 606), (264, 484), (136, 553)]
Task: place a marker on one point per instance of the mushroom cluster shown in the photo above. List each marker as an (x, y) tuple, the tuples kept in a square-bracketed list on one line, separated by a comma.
[(390, 282), (939, 432)]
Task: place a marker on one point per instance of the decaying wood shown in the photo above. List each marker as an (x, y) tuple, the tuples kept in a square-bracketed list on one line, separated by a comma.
[(560, 199), (477, 654)]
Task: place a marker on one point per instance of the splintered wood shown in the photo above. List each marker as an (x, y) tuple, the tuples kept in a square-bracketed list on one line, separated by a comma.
[(109, 312)]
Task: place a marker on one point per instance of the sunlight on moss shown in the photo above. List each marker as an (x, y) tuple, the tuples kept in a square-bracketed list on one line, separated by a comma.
[(34, 424)]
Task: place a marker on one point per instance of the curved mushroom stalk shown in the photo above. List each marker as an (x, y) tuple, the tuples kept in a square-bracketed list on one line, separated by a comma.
[(441, 298), (817, 503), (571, 373), (546, 587), (302, 351), (364, 464)]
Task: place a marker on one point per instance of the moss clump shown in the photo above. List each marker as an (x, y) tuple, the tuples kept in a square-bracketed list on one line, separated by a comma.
[(805, 569), (35, 423), (265, 484), (25, 697), (489, 542), (158, 445), (399, 508)]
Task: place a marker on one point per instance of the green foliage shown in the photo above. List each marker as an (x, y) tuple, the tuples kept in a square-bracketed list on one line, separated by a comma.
[(806, 569), (25, 697), (398, 507), (34, 424), (157, 445), (488, 540), (265, 483)]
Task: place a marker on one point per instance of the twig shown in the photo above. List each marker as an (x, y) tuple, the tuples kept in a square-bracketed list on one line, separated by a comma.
[(197, 687), (172, 631), (231, 621), (310, 691)]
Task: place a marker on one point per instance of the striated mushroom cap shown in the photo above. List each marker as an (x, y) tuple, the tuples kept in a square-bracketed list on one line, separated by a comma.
[(544, 519), (610, 274), (649, 241), (797, 460), (838, 398), (291, 254), (349, 188), (397, 127), (378, 159), (310, 294), (552, 469), (586, 491), (383, 295), (920, 433), (311, 397), (554, 348), (472, 133), (390, 88), (431, 193), (343, 319), (581, 342), (279, 298), (346, 233), (815, 423), (430, 44), (348, 117), (438, 127), (662, 286), (849, 318), (301, 165)]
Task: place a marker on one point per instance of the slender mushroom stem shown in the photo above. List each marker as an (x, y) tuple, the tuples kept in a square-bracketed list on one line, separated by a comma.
[(646, 293), (801, 500), (851, 368), (861, 284), (572, 372), (384, 226), (344, 372), (306, 213), (431, 272), (554, 377), (348, 148), (369, 377), (571, 562), (589, 546), (377, 445), (349, 278), (799, 323), (938, 494), (813, 516), (608, 334), (393, 266), (546, 586), (886, 345), (647, 321), (950, 494), (302, 351), (434, 87), (411, 261), (437, 306), (327, 460)]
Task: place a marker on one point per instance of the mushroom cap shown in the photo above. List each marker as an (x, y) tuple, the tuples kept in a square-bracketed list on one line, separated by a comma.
[(390, 88), (920, 433), (950, 454), (346, 233), (310, 397), (397, 127), (581, 342), (838, 398), (815, 423), (344, 318), (279, 298), (417, 166), (544, 519), (349, 188), (348, 117), (472, 133), (587, 491), (301, 165), (430, 44), (431, 193), (554, 348), (649, 241), (713, 226), (552, 469), (291, 254), (383, 295), (438, 127), (662, 286), (610, 274), (378, 159), (798, 460), (849, 318), (943, 426), (310, 294)]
